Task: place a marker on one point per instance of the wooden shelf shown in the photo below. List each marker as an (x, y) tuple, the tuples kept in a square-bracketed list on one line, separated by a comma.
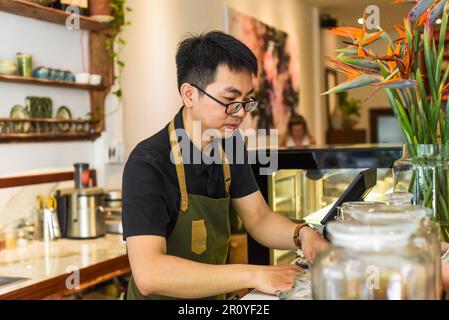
[(40, 130), (49, 83), (49, 120), (46, 137), (100, 63), (32, 10)]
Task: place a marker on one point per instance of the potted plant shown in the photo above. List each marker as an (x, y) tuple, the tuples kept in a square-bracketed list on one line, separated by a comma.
[(100, 8), (413, 77), (113, 11), (350, 110)]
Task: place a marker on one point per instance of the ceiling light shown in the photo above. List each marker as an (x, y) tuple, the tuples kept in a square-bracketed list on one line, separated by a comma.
[(360, 21)]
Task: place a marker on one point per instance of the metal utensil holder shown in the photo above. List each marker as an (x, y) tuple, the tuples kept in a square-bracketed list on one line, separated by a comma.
[(47, 225)]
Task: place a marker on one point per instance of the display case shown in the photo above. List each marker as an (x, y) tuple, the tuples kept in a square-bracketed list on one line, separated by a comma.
[(306, 183)]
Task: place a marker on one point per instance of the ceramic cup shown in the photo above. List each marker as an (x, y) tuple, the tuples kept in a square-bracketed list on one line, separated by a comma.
[(41, 73), (95, 79), (25, 65), (82, 78), (68, 76)]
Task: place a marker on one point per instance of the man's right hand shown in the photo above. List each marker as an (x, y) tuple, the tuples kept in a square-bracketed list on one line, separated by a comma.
[(271, 279)]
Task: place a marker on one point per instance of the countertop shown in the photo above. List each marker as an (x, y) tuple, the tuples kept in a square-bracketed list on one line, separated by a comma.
[(51, 263)]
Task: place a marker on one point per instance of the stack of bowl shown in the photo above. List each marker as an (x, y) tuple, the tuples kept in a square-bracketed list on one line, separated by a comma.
[(8, 67)]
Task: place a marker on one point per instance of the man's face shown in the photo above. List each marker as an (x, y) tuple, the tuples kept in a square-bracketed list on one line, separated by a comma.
[(229, 86)]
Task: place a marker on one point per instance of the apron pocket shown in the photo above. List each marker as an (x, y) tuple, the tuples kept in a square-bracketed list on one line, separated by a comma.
[(199, 237)]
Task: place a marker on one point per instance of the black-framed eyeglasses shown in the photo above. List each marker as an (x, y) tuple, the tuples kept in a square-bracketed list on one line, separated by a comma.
[(233, 107)]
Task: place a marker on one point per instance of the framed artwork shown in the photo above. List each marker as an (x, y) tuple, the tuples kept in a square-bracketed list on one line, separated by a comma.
[(330, 81), (277, 84)]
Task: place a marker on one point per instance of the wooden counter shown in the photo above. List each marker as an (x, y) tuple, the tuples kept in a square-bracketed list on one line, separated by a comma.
[(48, 267)]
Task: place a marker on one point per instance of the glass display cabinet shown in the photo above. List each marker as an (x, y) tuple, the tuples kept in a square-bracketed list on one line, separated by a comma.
[(307, 182)]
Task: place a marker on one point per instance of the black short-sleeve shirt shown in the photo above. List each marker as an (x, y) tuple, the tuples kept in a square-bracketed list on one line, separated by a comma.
[(151, 196)]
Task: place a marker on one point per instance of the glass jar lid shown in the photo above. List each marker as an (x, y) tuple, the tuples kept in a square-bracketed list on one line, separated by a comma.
[(353, 204), (344, 211), (401, 198), (385, 213), (357, 235)]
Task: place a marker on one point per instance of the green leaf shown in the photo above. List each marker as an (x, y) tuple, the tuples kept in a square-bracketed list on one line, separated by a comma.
[(399, 84), (118, 93), (360, 62), (447, 122), (361, 81), (438, 66), (422, 89), (443, 28), (386, 37), (419, 9), (442, 127), (408, 34), (443, 81), (402, 125), (429, 66), (415, 110)]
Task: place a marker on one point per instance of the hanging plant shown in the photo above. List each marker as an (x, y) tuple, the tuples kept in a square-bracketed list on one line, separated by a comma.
[(116, 42)]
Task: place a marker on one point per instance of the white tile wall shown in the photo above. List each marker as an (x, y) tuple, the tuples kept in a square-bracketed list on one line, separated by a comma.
[(19, 202)]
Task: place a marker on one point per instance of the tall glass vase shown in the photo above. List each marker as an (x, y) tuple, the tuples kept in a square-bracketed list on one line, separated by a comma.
[(403, 172), (431, 183)]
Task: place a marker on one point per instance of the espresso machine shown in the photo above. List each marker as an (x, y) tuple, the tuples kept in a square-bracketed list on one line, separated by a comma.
[(80, 210)]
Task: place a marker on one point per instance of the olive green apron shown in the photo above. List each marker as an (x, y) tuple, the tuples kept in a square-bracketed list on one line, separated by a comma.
[(202, 231)]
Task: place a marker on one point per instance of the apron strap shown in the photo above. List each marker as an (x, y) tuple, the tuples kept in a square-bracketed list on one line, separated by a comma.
[(177, 156), (226, 171)]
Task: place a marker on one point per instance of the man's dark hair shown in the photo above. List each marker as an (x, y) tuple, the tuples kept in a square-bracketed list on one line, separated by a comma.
[(199, 57)]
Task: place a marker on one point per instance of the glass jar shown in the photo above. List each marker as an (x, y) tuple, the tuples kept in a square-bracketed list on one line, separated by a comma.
[(10, 238), (403, 172), (22, 238), (425, 238), (431, 169), (2, 239), (371, 263), (344, 210)]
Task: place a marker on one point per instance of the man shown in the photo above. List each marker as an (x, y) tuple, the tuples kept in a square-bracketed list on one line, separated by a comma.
[(176, 214)]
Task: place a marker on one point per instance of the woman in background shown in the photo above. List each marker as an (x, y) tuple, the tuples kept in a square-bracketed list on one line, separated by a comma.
[(297, 134)]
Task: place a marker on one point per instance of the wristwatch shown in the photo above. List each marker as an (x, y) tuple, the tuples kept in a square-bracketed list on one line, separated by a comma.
[(298, 228), (445, 257)]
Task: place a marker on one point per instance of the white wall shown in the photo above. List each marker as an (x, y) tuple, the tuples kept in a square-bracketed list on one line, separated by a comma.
[(149, 79)]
